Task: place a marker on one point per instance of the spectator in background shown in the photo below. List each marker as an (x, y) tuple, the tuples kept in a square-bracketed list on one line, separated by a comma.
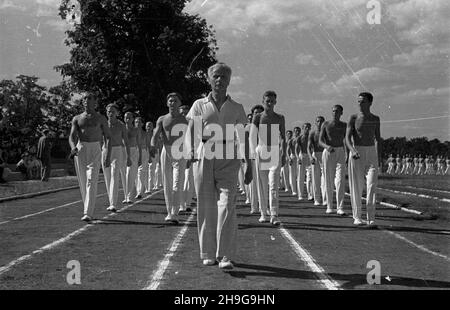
[(22, 166), (43, 154), (34, 167)]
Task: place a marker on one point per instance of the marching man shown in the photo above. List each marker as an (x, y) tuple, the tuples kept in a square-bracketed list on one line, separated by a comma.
[(215, 173), (119, 142), (172, 162), (87, 131), (363, 130), (315, 151), (332, 136)]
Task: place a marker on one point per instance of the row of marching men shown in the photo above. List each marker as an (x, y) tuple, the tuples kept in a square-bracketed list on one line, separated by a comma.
[(418, 165)]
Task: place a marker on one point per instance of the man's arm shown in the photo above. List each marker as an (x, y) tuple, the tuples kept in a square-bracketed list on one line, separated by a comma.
[(107, 137), (310, 147), (253, 136), (378, 139), (73, 137), (139, 145), (348, 136), (126, 143), (157, 132)]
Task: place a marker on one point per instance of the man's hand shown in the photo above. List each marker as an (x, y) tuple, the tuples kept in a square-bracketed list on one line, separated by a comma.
[(129, 163), (312, 160), (248, 176), (330, 149), (356, 155), (73, 153)]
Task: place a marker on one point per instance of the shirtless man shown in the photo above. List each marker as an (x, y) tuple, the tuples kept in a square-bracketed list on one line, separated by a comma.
[(134, 135), (447, 166), (142, 173), (416, 165), (398, 167), (269, 168), (363, 130), (315, 151), (119, 142), (284, 173), (173, 169), (390, 163), (293, 162), (188, 186), (332, 139), (88, 130), (420, 170), (301, 149)]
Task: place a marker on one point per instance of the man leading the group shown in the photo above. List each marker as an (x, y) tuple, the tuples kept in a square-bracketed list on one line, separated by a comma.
[(216, 177)]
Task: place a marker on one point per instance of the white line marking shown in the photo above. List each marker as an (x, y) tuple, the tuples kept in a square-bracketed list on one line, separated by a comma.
[(44, 211), (390, 205), (158, 274), (428, 189), (416, 194), (324, 279), (54, 244), (420, 247)]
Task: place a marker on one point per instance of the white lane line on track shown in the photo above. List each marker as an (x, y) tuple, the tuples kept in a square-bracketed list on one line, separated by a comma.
[(390, 205), (158, 273), (415, 194), (324, 279), (421, 247), (428, 189), (77, 232), (46, 210)]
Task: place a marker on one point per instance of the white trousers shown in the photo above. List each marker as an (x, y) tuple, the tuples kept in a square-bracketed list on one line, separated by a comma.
[(269, 181), (398, 169), (113, 172), (253, 187), (390, 168), (131, 173), (142, 174), (293, 169), (152, 182), (304, 171), (285, 177), (365, 166), (318, 179), (215, 184), (334, 171), (87, 165), (188, 188), (173, 181)]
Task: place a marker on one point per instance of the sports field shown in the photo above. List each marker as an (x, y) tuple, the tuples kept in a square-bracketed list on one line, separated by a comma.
[(135, 249)]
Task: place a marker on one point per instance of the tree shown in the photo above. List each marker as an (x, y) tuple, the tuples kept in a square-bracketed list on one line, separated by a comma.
[(137, 51)]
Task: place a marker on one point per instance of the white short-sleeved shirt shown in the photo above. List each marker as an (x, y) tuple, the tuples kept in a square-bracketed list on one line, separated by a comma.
[(231, 112)]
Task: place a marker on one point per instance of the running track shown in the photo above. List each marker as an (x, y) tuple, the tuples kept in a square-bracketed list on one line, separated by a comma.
[(135, 249)]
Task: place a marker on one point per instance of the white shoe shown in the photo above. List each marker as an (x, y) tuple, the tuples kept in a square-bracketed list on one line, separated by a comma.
[(358, 222), (247, 202), (111, 208), (274, 220), (371, 223), (301, 198), (263, 219), (138, 196), (286, 190), (317, 203), (225, 263), (148, 192), (340, 212), (253, 211), (324, 204), (209, 262), (329, 211), (86, 218)]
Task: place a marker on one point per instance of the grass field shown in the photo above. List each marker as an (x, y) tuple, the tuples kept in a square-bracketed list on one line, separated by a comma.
[(135, 249)]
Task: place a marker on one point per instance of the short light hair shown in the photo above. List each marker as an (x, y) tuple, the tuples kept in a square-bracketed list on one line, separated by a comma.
[(151, 123), (220, 65), (174, 94), (113, 105)]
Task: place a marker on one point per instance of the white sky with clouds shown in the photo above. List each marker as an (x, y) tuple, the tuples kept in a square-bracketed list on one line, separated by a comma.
[(313, 53)]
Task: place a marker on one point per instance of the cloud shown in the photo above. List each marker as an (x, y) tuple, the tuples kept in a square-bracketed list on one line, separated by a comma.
[(421, 94), (58, 25), (236, 80), (303, 59), (422, 54), (7, 4)]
